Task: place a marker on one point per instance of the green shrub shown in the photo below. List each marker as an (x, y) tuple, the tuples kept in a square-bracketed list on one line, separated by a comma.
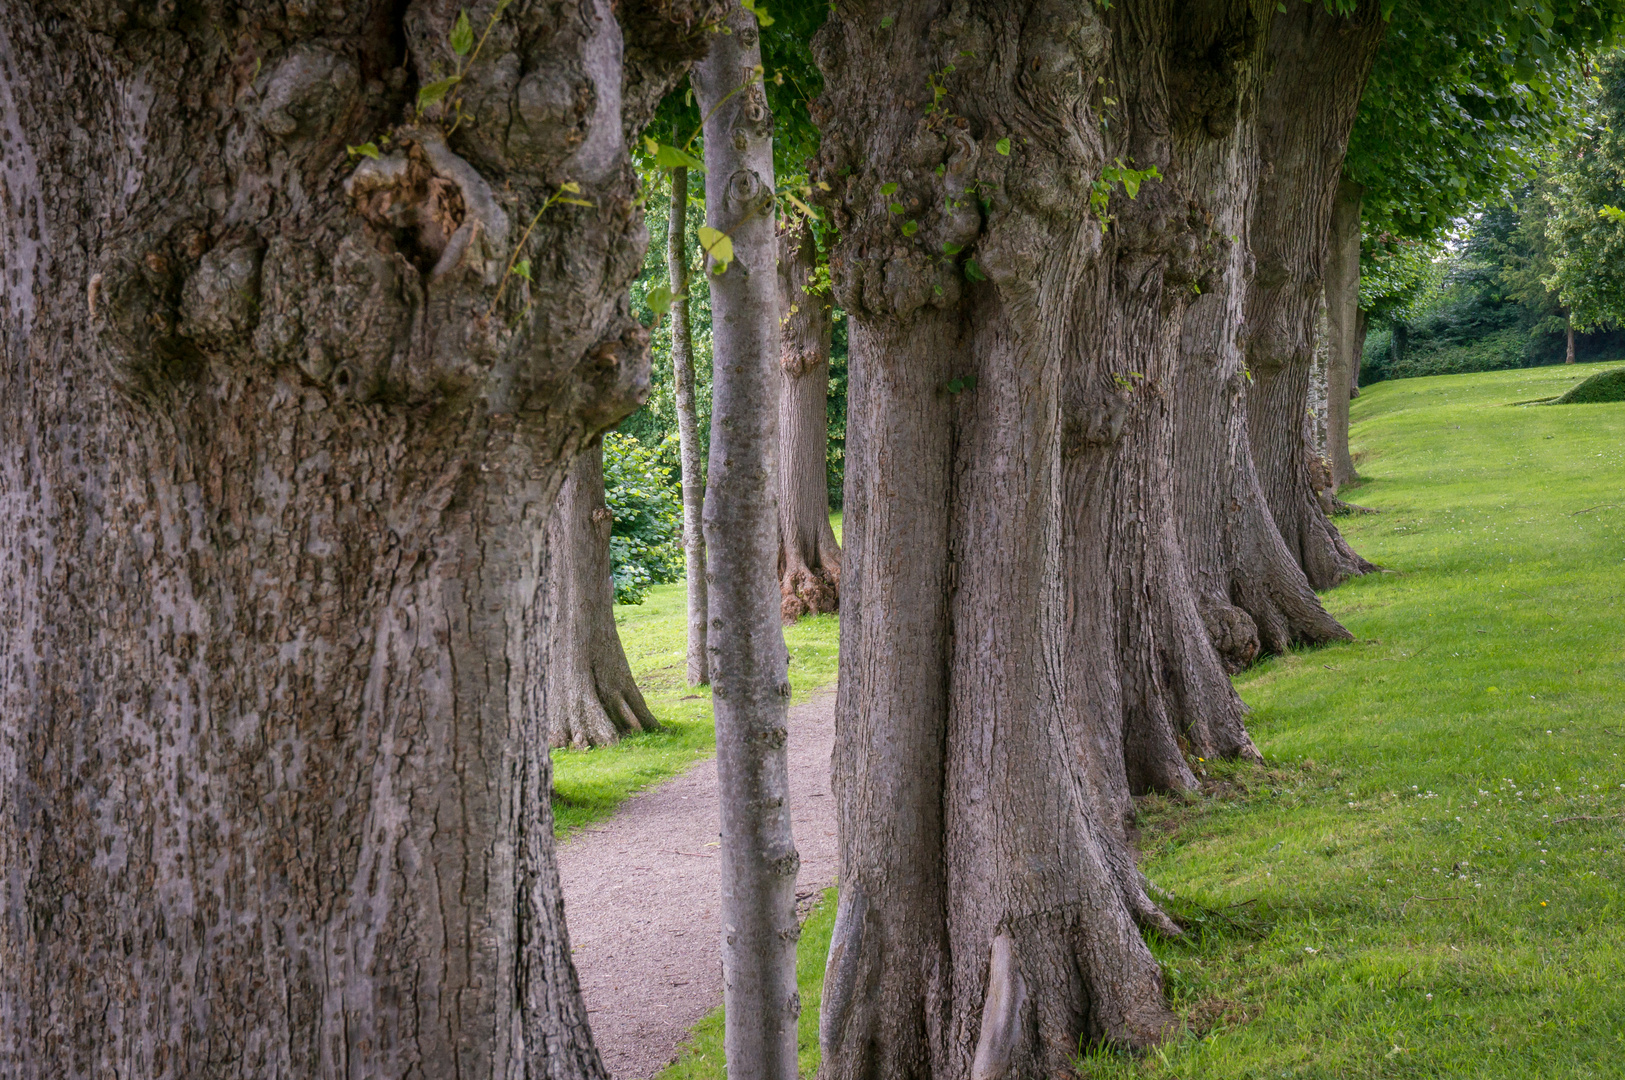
[(1601, 387), (646, 541)]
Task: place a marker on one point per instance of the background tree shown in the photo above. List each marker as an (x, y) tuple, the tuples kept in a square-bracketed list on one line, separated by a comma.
[(280, 427), (809, 557), (591, 698), (751, 687), (1307, 111), (690, 450), (1586, 227)]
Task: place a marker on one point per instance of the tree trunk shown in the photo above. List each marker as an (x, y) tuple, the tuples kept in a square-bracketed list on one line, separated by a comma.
[(1251, 594), (1020, 643), (591, 698), (809, 557), (278, 439), (1362, 328), (1318, 64), (750, 681), (1568, 329), (688, 427), (1343, 314)]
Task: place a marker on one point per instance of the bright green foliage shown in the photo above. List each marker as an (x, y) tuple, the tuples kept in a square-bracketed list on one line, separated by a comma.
[(646, 540), (1462, 97), (1587, 235)]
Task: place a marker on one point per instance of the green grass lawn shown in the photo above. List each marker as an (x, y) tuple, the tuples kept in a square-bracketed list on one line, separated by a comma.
[(1425, 879), (589, 784), (1399, 894)]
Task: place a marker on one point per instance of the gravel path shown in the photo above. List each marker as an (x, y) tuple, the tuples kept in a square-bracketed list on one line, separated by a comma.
[(642, 898)]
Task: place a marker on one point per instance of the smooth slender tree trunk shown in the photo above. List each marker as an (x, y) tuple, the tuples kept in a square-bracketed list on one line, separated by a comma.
[(749, 677), (1568, 329), (278, 442), (688, 428), (1318, 63), (1347, 336), (591, 698), (809, 557), (1021, 647), (1251, 593)]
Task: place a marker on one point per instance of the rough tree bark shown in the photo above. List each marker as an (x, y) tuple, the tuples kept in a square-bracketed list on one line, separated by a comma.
[(1251, 593), (592, 699), (1021, 645), (809, 557), (749, 674), (1318, 63), (1347, 339), (1568, 330), (278, 439), (688, 427)]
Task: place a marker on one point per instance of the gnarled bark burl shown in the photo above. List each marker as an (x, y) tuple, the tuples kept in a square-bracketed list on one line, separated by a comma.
[(1318, 63), (1021, 647), (279, 437), (591, 698), (809, 557)]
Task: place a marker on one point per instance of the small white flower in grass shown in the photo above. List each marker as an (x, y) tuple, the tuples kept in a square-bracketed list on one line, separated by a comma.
[(1430, 997), (1307, 949)]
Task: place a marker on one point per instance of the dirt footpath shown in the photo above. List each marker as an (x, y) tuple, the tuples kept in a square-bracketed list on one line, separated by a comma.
[(642, 898)]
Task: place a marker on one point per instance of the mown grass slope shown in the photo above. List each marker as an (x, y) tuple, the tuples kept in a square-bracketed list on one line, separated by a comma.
[(1426, 881)]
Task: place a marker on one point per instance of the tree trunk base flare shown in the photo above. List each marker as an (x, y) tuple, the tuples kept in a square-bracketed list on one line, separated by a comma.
[(1317, 64), (1022, 647), (279, 436), (591, 698), (809, 557)]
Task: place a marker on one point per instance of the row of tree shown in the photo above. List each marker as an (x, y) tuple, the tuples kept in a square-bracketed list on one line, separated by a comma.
[(312, 320)]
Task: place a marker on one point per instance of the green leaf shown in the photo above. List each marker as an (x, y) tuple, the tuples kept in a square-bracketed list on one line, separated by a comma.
[(433, 92), (762, 17), (522, 268), (1003, 147), (910, 228), (719, 245), (950, 248), (888, 189), (462, 35), (885, 23), (670, 157), (974, 272), (659, 299), (896, 208), (366, 149)]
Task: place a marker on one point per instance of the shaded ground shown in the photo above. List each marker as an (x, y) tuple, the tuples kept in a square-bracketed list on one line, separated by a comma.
[(642, 898)]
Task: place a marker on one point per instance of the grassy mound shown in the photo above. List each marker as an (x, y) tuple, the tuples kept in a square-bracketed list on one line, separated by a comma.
[(1601, 387)]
